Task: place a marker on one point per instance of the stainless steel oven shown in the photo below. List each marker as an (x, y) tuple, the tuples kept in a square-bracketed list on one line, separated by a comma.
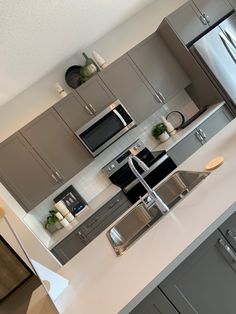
[(118, 171), (105, 128)]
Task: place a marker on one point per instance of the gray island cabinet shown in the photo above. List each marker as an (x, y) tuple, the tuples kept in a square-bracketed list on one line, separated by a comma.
[(200, 135), (204, 282), (195, 17)]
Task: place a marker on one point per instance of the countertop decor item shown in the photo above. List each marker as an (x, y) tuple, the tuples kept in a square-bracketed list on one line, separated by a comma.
[(72, 76), (89, 69), (169, 127), (215, 163), (99, 59), (176, 118), (160, 132), (52, 223)]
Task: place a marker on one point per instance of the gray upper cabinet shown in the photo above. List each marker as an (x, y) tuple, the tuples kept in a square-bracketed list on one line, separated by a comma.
[(128, 84), (159, 67), (155, 303), (200, 135), (57, 145), (195, 17), (73, 111), (24, 173), (82, 105), (205, 282), (95, 94)]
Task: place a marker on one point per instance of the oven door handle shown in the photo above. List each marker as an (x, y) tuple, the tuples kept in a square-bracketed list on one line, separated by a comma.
[(120, 117)]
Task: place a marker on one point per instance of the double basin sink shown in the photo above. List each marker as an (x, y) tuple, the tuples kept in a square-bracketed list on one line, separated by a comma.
[(139, 219)]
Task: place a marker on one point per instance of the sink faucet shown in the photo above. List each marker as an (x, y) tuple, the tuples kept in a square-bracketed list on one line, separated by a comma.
[(155, 199)]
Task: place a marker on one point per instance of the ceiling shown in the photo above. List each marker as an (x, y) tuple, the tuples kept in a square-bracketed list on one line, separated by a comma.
[(36, 35)]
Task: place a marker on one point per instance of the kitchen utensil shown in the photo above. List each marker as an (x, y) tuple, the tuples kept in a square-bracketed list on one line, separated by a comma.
[(73, 77)]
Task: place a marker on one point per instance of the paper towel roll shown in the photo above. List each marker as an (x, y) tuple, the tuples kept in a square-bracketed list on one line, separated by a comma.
[(61, 207)]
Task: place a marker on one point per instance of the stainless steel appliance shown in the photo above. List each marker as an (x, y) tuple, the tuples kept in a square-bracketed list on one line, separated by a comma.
[(119, 172), (216, 52), (105, 128)]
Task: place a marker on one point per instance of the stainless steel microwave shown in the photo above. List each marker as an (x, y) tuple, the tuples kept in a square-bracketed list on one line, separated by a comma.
[(105, 128)]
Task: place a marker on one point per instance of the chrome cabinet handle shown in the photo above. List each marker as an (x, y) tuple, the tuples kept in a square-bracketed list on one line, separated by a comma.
[(92, 108), (227, 252), (157, 98), (203, 135), (231, 234), (161, 97), (203, 20), (92, 223), (82, 237), (199, 137), (89, 110), (58, 175), (206, 17), (54, 177)]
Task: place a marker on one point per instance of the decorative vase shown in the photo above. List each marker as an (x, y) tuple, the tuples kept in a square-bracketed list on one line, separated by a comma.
[(164, 136)]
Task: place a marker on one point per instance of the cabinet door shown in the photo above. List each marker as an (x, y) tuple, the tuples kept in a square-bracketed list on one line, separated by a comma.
[(128, 84), (205, 282), (185, 148), (95, 94), (56, 144), (69, 247), (159, 67), (24, 173), (74, 111), (187, 22), (213, 10), (229, 230), (154, 303), (215, 123)]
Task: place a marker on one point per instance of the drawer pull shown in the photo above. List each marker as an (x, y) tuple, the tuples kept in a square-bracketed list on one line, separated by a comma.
[(82, 237), (54, 178), (114, 203), (228, 253), (231, 234), (92, 223)]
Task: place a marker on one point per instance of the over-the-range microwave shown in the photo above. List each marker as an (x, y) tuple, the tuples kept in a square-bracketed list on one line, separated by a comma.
[(105, 128)]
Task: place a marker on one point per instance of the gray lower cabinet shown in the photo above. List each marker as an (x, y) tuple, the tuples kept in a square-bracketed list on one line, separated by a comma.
[(91, 228), (205, 282), (195, 17), (82, 105), (27, 177), (155, 303), (159, 67), (57, 145), (200, 135), (228, 229), (129, 85)]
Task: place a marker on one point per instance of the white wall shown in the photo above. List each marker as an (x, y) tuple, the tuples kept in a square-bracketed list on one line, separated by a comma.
[(43, 95)]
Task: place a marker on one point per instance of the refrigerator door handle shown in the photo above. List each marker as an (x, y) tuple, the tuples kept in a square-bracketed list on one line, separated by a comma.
[(230, 37), (230, 48)]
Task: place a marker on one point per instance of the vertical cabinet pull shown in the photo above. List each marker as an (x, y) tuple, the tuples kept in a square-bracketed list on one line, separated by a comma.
[(54, 178), (206, 17), (203, 20), (59, 176), (231, 234), (89, 110), (92, 108), (161, 97), (203, 135), (227, 252), (157, 98), (199, 137)]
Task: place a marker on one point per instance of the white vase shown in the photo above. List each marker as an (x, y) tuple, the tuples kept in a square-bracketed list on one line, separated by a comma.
[(164, 137)]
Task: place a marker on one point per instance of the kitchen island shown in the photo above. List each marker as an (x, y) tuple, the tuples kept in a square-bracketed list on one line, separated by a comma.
[(101, 282)]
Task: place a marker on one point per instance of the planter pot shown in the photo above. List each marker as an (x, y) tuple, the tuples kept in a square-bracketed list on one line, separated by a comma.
[(164, 137)]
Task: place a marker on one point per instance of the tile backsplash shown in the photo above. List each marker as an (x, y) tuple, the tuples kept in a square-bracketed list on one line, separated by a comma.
[(91, 181)]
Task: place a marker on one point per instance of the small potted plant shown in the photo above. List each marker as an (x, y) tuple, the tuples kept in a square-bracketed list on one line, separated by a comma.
[(159, 131), (52, 223)]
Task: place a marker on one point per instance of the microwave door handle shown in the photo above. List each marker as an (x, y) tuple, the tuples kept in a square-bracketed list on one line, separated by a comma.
[(230, 48), (120, 117)]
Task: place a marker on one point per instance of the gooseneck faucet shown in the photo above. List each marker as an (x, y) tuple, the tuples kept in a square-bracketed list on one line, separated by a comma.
[(154, 198)]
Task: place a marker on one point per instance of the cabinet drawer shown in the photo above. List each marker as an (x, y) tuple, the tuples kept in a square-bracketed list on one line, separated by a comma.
[(103, 213)]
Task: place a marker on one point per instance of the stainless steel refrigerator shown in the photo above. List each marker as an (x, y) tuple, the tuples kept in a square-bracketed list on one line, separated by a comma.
[(216, 52)]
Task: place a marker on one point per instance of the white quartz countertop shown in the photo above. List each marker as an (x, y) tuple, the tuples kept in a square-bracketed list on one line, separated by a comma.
[(112, 190), (102, 283)]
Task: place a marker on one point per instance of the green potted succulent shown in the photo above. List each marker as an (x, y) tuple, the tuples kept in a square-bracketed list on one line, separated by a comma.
[(52, 223), (159, 132)]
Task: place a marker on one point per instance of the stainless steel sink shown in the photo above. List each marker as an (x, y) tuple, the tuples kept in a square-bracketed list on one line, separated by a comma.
[(137, 221)]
